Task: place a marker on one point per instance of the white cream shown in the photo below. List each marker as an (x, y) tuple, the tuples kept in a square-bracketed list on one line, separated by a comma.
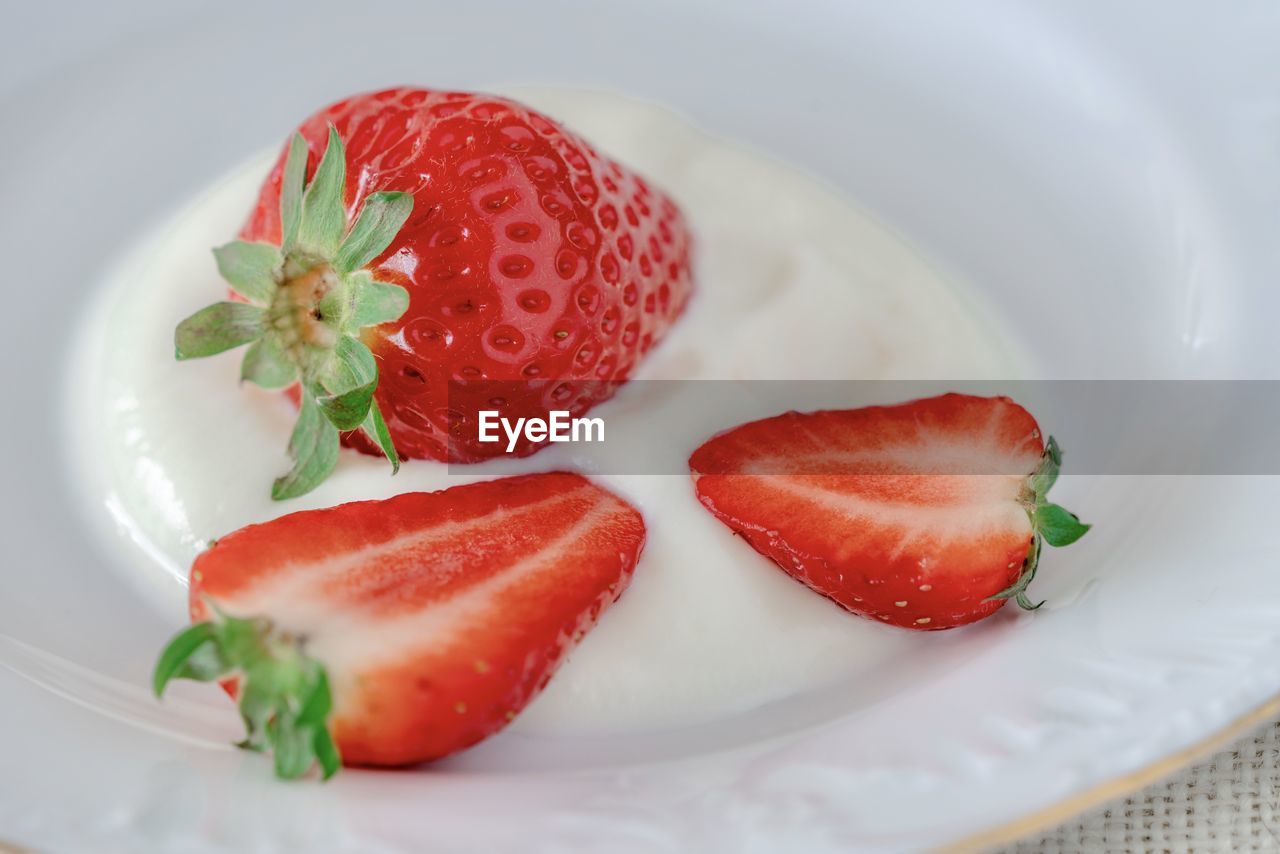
[(793, 284)]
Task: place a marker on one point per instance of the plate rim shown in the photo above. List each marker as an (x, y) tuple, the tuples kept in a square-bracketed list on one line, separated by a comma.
[(1039, 820), (1121, 785)]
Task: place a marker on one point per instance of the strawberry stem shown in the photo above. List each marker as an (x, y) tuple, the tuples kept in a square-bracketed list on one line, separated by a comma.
[(306, 302), (1050, 523), (283, 694)]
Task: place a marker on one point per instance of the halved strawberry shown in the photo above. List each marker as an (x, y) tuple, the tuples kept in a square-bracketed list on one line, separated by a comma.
[(927, 515), (403, 630)]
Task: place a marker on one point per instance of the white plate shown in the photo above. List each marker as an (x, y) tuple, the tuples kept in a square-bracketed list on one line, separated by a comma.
[(1107, 176)]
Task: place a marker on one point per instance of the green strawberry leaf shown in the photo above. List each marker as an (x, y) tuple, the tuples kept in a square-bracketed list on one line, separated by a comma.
[(313, 299), (1018, 590), (218, 327), (295, 173), (203, 665), (292, 747), (267, 365), (283, 695), (326, 752), (323, 217), (353, 366), (1047, 474), (1058, 526), (375, 302), (380, 220), (240, 638), (349, 384), (375, 427), (314, 448), (348, 410), (1049, 524), (256, 708), (318, 703), (251, 268), (176, 655)]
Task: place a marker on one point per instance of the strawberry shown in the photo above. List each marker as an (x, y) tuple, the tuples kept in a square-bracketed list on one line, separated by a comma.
[(410, 245), (400, 631), (926, 515)]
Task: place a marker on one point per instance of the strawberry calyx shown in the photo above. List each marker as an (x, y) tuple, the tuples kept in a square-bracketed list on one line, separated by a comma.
[(1050, 523), (283, 694), (305, 304)]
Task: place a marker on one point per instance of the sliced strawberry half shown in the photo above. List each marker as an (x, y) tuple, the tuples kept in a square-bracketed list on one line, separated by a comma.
[(928, 515), (399, 631)]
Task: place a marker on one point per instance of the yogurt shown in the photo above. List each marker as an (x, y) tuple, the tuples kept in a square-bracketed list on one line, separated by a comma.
[(793, 283)]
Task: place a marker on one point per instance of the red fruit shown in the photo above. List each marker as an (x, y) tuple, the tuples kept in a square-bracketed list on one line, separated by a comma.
[(529, 256), (432, 618), (926, 515), (410, 248)]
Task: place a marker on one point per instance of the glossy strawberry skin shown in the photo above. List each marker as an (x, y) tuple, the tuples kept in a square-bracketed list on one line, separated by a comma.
[(528, 257), (432, 635), (843, 505)]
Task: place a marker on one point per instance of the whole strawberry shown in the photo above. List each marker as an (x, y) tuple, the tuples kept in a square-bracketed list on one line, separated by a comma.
[(412, 247), (927, 515)]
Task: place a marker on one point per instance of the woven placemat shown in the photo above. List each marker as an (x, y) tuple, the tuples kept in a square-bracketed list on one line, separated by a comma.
[(1229, 802)]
